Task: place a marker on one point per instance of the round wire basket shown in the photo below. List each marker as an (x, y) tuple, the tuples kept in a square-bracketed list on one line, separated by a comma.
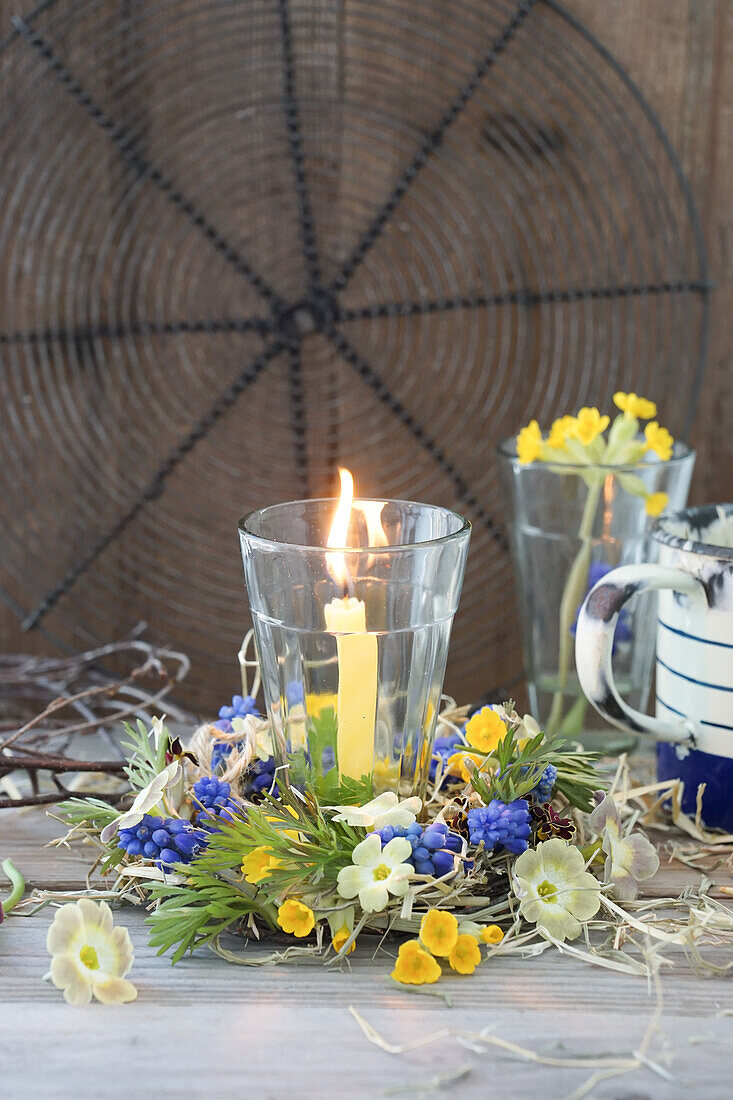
[(244, 243)]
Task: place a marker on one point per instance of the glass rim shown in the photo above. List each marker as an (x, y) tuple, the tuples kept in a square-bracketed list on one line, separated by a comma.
[(463, 530), (507, 449), (693, 515)]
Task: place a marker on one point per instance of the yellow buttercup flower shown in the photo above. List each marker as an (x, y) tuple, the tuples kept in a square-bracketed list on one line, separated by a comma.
[(439, 932), (456, 764), (656, 503), (659, 440), (466, 955), (633, 405), (529, 443), (485, 729), (415, 966), (258, 864), (492, 934), (560, 430), (296, 918), (340, 937), (588, 425)]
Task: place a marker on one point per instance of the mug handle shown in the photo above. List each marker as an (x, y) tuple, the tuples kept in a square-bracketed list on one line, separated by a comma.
[(594, 645)]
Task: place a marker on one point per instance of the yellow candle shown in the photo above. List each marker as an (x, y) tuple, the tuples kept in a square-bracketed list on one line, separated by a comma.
[(356, 705)]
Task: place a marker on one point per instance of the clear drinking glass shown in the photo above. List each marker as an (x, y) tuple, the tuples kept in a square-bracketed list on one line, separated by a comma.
[(568, 525), (363, 696)]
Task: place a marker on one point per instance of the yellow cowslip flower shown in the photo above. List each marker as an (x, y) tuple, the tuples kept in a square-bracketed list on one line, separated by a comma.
[(340, 937), (529, 443), (295, 917), (465, 956), (456, 764), (258, 864), (659, 440), (588, 425), (485, 729), (492, 934), (633, 405), (415, 966), (656, 503), (439, 932), (559, 432)]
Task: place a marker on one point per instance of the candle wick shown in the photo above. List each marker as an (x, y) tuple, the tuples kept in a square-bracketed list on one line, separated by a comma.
[(348, 584)]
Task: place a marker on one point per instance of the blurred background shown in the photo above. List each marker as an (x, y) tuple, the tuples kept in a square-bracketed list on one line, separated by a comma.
[(244, 243)]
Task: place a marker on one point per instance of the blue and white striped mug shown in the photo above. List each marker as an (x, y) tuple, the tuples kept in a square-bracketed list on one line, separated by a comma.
[(694, 678)]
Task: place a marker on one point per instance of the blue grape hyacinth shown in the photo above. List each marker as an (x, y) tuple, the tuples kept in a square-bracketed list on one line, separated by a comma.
[(502, 823), (241, 706), (215, 802), (543, 791), (433, 847), (165, 841), (443, 747), (260, 779)]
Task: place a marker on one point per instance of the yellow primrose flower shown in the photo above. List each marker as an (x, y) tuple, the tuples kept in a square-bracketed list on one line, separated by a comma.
[(89, 956), (340, 937), (632, 405), (466, 955), (659, 440), (529, 443), (415, 966), (656, 503), (560, 430), (439, 932), (258, 864), (492, 934), (588, 425), (456, 764), (295, 917), (485, 729)]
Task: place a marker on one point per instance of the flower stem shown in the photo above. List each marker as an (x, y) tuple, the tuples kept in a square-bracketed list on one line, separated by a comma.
[(18, 884), (572, 597)]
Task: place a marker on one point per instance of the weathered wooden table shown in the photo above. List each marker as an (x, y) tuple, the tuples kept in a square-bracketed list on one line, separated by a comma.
[(206, 1028)]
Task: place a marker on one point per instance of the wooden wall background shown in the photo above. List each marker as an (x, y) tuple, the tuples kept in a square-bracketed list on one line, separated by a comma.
[(680, 54)]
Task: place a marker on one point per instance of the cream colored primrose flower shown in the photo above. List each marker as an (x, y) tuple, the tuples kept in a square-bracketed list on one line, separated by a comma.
[(376, 872), (556, 892), (630, 859), (89, 956), (146, 801), (384, 810)]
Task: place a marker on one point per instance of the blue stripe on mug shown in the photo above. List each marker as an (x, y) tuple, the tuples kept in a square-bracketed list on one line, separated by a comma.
[(702, 722), (693, 637), (691, 679)]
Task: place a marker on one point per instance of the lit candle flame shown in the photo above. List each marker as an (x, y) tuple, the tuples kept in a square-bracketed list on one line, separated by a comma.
[(339, 528), (372, 512), (339, 533)]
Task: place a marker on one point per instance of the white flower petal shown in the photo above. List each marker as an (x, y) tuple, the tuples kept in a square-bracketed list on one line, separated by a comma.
[(351, 815), (79, 993), (158, 730), (96, 916), (560, 924), (146, 800), (351, 880), (606, 811), (67, 969), (369, 852), (374, 896), (397, 883), (397, 851), (110, 990), (67, 923)]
